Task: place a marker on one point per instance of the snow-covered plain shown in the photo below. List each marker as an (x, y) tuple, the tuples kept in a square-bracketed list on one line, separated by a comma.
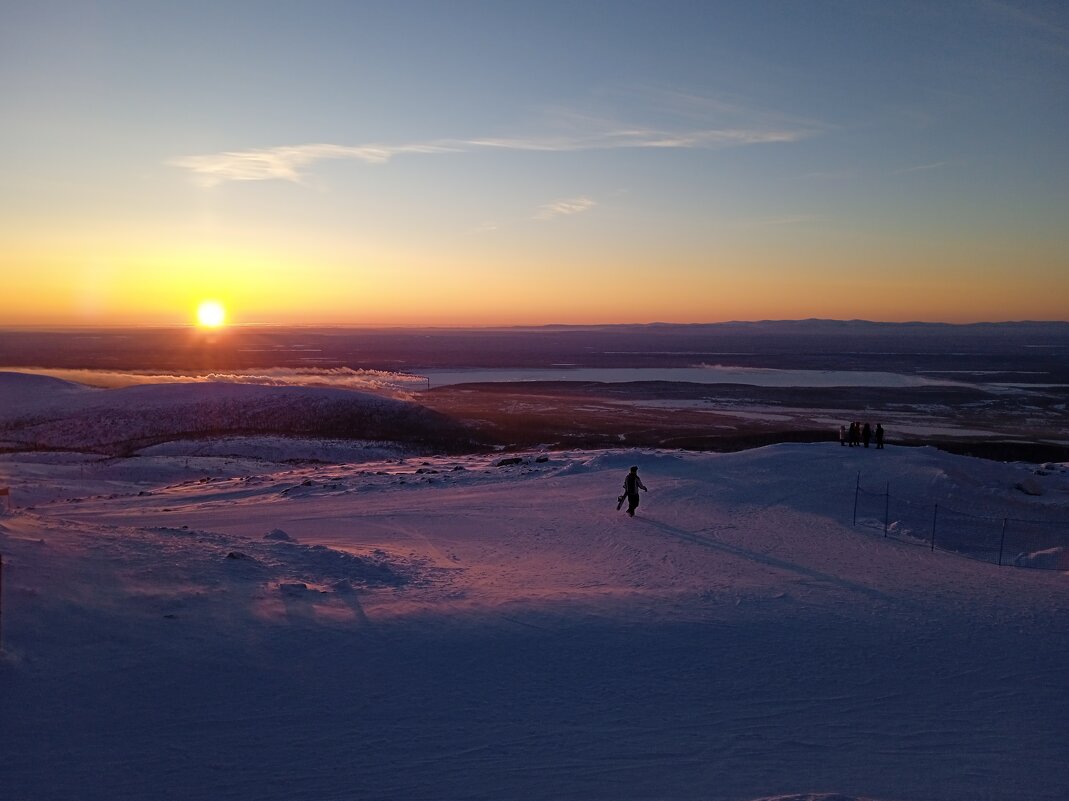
[(213, 624)]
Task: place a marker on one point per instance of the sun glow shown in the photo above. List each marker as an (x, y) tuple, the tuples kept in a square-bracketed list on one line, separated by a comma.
[(211, 314)]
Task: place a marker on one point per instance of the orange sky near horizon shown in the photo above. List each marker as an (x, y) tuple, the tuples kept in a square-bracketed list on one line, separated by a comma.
[(260, 288)]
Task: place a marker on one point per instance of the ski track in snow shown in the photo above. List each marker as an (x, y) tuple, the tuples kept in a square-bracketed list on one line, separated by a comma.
[(447, 628)]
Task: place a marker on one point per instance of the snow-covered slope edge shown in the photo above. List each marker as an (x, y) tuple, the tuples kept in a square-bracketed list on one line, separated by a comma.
[(38, 412)]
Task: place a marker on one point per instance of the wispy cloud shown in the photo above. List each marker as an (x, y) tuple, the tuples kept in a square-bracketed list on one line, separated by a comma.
[(721, 107), (286, 163), (564, 207), (935, 165), (638, 138), (1038, 19)]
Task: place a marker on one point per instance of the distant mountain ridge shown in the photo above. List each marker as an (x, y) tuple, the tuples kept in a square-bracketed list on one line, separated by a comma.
[(820, 324)]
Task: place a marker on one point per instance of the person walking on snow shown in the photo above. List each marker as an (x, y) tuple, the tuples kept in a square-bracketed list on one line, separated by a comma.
[(632, 484)]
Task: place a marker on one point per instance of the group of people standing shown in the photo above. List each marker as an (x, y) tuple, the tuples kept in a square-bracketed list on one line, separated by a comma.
[(859, 434)]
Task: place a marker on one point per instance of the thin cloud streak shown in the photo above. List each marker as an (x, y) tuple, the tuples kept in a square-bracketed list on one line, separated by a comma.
[(935, 165), (285, 163), (639, 138), (565, 207)]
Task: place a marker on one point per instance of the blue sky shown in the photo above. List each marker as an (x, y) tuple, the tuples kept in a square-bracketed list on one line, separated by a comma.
[(424, 160)]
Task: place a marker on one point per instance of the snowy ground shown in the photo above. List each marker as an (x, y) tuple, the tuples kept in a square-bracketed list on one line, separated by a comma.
[(197, 624)]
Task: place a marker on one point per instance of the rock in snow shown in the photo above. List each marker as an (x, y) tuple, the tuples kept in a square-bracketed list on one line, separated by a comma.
[(278, 535), (1029, 486)]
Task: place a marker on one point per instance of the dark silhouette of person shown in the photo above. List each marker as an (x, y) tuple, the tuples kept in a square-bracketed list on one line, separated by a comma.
[(866, 434), (632, 484), (855, 434), (879, 435)]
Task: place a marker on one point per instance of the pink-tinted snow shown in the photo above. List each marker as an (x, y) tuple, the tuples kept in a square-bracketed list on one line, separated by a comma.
[(446, 628)]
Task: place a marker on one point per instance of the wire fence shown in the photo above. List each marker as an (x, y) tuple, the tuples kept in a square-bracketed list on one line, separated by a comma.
[(1003, 541)]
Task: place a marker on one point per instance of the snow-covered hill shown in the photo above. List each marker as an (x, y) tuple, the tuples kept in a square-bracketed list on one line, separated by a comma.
[(27, 395), (218, 626), (47, 413)]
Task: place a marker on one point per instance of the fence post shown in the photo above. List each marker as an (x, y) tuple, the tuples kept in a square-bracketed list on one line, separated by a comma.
[(886, 508), (935, 515), (1002, 542), (857, 489)]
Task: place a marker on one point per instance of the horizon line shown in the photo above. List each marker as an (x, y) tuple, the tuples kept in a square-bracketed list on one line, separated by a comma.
[(60, 327)]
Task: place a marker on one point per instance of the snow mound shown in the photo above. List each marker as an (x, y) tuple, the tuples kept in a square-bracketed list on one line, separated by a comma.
[(1048, 559), (27, 395), (323, 565), (1029, 486), (126, 420), (280, 449), (662, 462)]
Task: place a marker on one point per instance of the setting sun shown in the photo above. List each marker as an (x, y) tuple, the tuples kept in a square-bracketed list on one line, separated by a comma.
[(211, 314)]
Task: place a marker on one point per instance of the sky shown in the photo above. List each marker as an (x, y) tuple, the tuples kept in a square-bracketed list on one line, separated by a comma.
[(493, 163)]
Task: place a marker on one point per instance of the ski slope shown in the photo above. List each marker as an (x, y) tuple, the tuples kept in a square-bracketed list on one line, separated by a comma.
[(183, 626)]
